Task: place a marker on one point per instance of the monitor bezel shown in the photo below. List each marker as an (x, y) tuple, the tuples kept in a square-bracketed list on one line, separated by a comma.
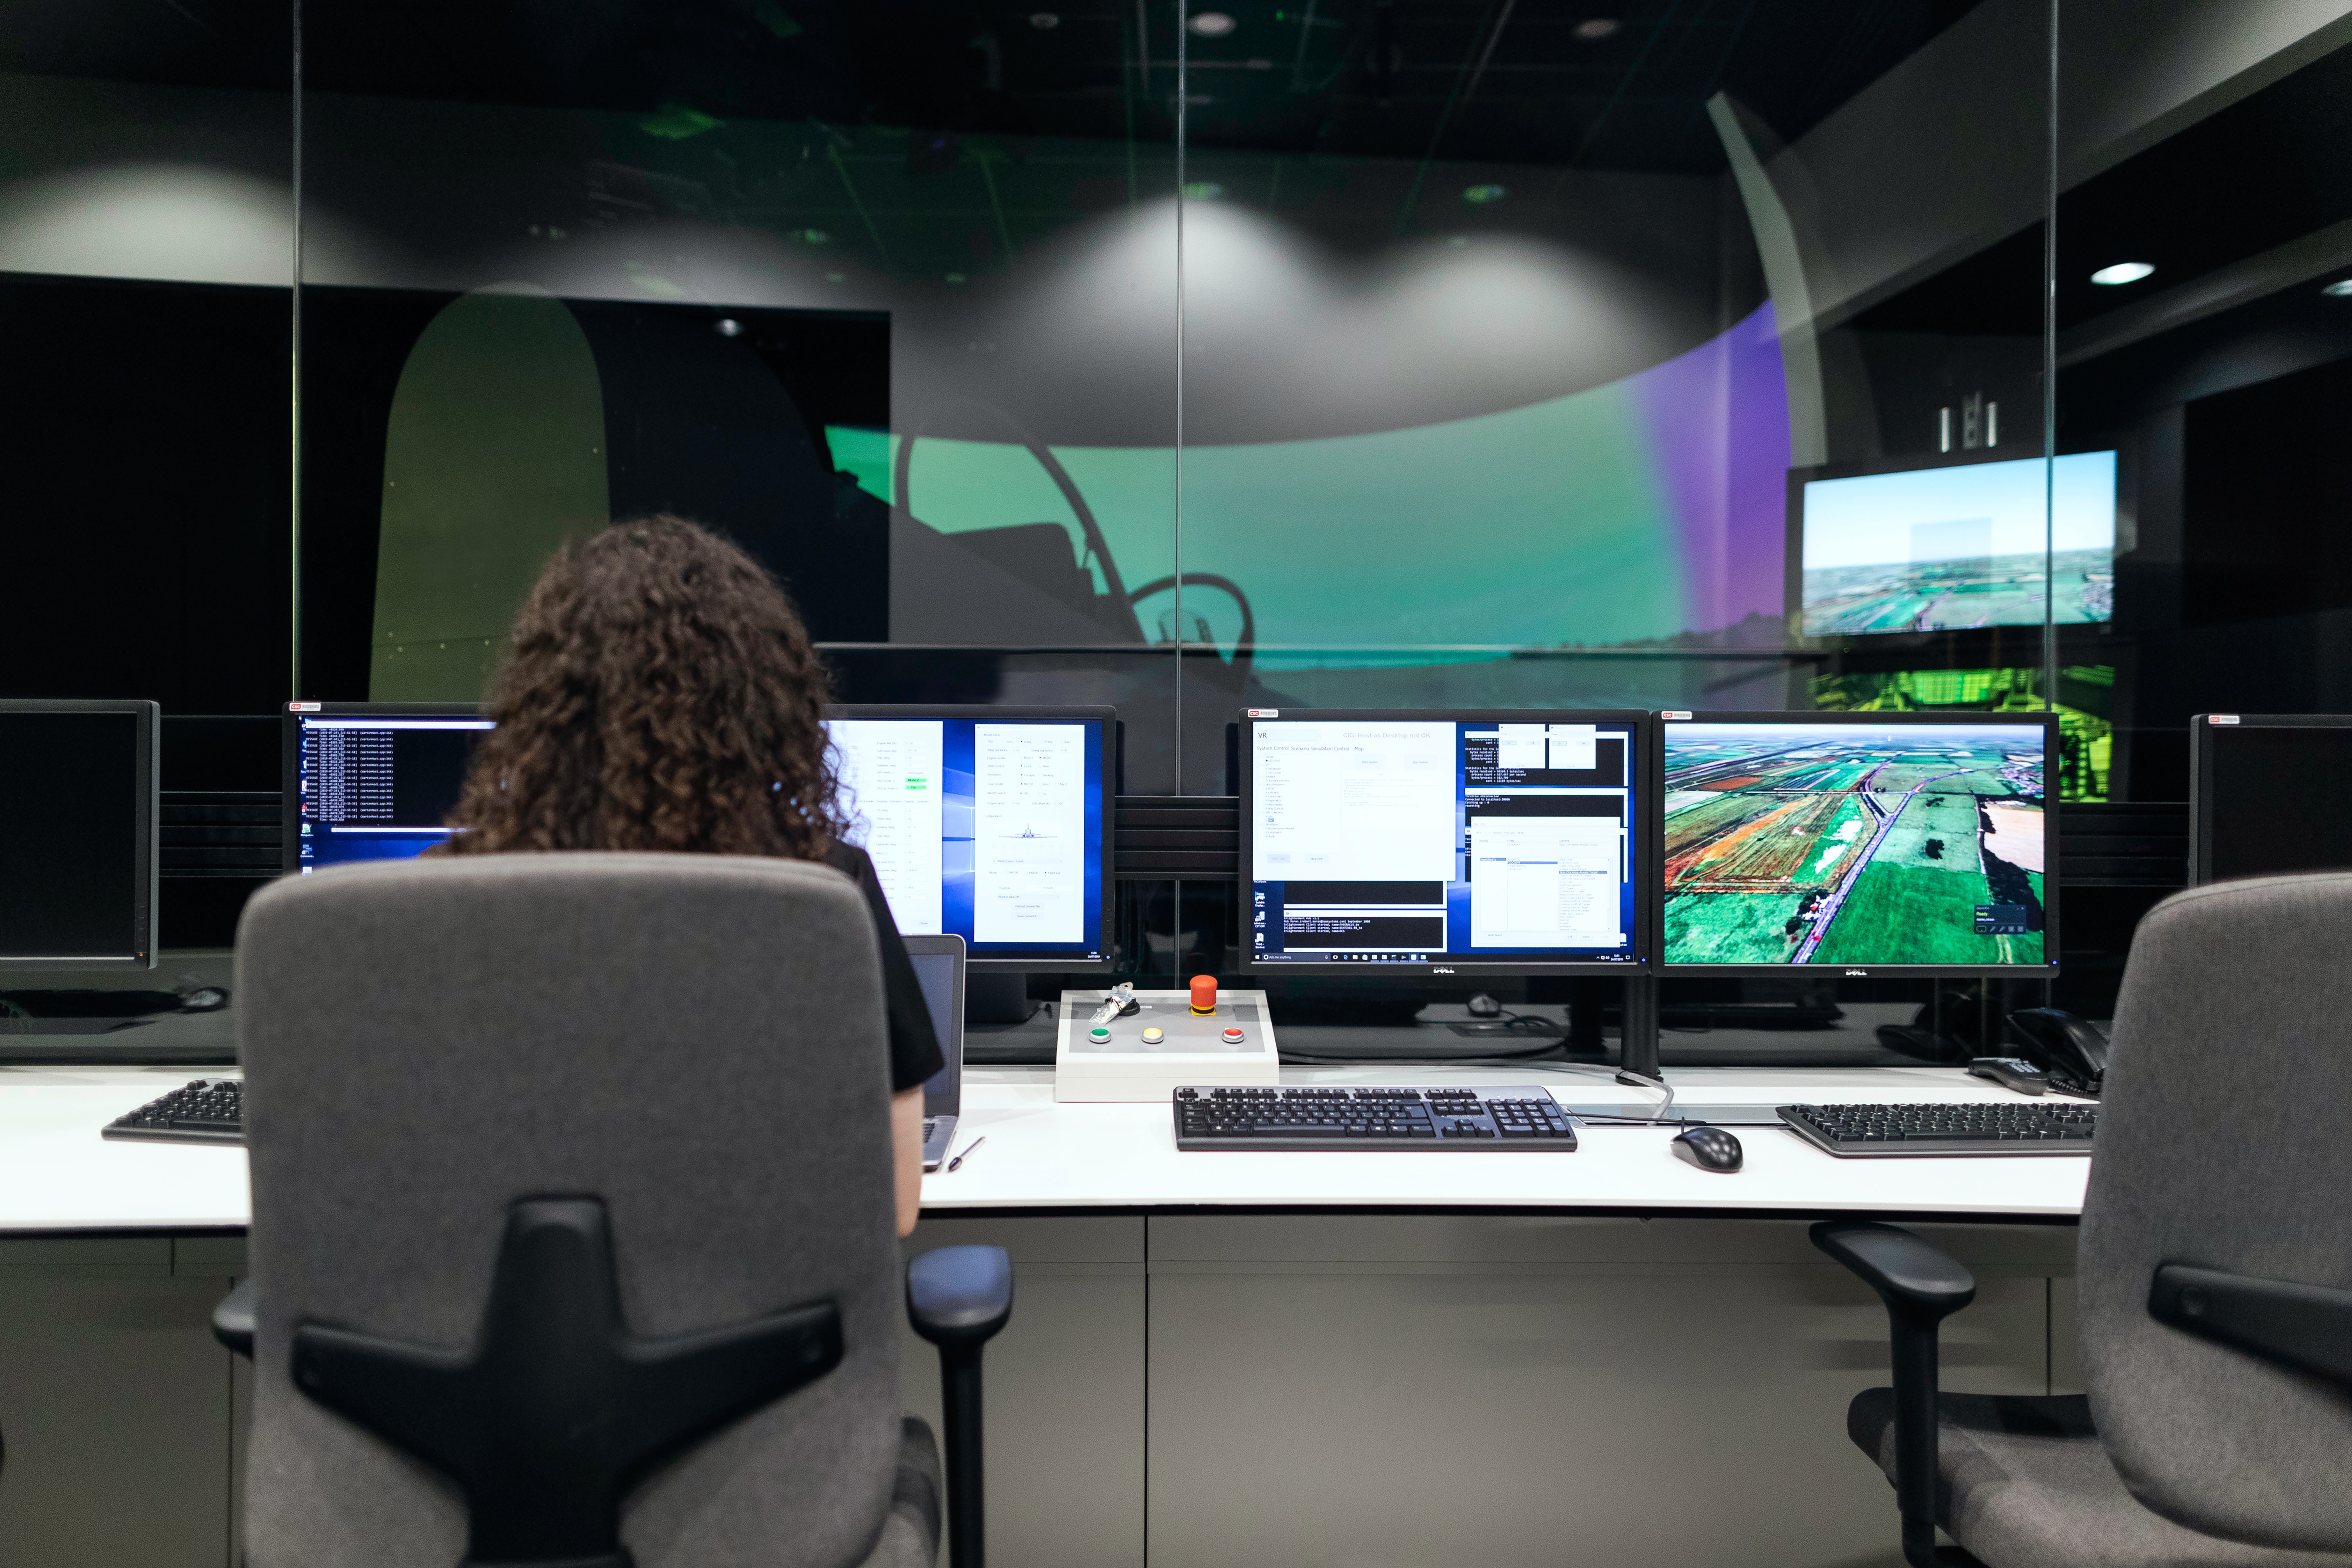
[(1642, 761), (1035, 961), (289, 756), (2203, 734), (147, 832), (2045, 722)]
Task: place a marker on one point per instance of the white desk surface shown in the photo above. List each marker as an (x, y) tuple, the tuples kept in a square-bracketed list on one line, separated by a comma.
[(58, 1175)]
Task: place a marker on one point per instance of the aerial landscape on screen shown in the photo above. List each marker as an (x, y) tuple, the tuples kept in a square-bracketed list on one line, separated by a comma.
[(1853, 844), (1952, 596)]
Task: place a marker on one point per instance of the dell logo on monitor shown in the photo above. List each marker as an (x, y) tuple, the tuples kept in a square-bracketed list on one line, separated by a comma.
[(1439, 968), (1858, 974)]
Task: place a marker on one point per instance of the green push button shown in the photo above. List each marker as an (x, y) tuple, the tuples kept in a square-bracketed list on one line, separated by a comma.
[(1098, 1035)]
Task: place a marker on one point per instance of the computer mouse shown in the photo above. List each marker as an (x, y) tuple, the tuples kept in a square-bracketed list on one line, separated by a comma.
[(1709, 1148), (1484, 1007)]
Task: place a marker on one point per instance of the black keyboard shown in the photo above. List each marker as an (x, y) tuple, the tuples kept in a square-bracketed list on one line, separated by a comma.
[(1520, 1117), (209, 1111), (1971, 1127)]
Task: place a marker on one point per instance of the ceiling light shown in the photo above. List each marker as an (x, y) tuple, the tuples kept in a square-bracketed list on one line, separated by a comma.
[(1479, 196), (728, 327), (2122, 272), (1211, 24), (2340, 289), (1593, 30), (1044, 20)]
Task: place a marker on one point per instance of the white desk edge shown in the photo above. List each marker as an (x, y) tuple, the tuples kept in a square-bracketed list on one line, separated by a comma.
[(57, 1174)]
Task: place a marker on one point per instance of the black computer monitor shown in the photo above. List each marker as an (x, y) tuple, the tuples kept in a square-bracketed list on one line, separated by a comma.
[(372, 781), (78, 799), (2260, 799), (1486, 842), (990, 824), (1859, 844)]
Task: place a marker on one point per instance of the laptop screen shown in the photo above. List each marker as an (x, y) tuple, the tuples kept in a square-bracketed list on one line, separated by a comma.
[(936, 972)]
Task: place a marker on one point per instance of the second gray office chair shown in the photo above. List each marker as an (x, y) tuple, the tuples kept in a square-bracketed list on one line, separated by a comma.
[(573, 1225), (2214, 1276)]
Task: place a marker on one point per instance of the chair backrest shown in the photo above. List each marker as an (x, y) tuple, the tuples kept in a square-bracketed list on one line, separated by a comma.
[(697, 1040), (2225, 1143)]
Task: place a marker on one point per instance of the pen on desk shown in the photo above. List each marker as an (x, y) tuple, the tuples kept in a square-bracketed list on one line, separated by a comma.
[(967, 1148)]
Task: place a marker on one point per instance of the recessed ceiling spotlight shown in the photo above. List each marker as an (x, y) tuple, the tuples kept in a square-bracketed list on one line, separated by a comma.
[(1479, 196), (2340, 289), (2123, 272), (1593, 30), (1213, 25), (1043, 21), (728, 327)]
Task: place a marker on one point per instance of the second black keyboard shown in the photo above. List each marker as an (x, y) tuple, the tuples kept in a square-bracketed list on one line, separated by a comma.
[(1520, 1116), (1965, 1126), (209, 1111)]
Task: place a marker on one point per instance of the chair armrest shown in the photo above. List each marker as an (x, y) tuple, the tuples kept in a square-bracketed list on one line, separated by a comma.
[(959, 1294), (1912, 1277), (1921, 1285), (958, 1297), (232, 1319)]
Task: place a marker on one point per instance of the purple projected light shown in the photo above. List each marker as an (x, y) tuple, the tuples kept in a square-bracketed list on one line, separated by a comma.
[(1718, 424)]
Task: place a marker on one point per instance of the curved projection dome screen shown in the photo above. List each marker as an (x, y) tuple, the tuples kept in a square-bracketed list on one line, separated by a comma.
[(1854, 844), (1962, 545)]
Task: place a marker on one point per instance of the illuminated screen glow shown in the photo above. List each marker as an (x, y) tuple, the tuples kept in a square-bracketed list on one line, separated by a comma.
[(1948, 548), (1790, 843)]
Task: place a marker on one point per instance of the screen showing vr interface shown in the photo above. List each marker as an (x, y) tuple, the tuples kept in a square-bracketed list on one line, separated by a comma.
[(1961, 545), (1426, 840), (1797, 842), (991, 829), (378, 785)]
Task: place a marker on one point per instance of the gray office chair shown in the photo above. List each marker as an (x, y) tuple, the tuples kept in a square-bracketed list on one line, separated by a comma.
[(572, 1232), (2214, 1278)]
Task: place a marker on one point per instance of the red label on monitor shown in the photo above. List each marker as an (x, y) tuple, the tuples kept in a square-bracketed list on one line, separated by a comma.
[(2220, 718), (1676, 713), (1265, 713)]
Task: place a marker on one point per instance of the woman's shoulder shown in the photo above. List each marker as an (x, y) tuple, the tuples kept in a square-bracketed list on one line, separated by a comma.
[(847, 857)]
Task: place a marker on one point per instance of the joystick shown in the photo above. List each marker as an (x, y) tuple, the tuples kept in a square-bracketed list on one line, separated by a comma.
[(1204, 994)]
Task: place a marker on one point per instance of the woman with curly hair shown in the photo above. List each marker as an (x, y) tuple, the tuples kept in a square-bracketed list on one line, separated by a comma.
[(661, 695)]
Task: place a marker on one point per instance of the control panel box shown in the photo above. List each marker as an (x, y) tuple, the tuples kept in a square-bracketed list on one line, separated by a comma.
[(1147, 1053)]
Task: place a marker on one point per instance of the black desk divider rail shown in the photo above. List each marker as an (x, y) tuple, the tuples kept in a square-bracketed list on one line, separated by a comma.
[(221, 833), (1189, 838)]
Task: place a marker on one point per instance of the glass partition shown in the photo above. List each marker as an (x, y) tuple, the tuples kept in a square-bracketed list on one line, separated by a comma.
[(2203, 309), (1517, 341)]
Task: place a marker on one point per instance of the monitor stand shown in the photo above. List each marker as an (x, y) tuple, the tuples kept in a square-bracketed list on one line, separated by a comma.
[(995, 996)]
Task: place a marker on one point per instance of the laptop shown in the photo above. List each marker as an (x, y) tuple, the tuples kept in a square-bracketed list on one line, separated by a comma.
[(939, 970)]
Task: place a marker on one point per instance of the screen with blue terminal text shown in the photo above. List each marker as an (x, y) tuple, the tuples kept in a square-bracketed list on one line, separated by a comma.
[(377, 784), (1444, 842)]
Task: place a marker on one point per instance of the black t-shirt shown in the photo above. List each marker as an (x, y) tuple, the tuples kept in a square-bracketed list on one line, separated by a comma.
[(914, 1044)]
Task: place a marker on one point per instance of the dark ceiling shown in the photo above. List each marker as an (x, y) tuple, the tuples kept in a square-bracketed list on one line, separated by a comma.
[(1611, 84)]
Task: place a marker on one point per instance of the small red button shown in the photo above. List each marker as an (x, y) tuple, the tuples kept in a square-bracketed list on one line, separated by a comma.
[(1232, 1037)]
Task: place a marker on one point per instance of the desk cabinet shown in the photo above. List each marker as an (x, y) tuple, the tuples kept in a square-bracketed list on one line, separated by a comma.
[(1205, 1390)]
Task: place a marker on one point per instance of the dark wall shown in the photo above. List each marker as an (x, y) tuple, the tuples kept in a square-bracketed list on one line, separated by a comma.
[(2268, 499), (143, 431)]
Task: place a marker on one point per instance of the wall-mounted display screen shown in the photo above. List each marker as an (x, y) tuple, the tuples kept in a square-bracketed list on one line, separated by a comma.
[(1866, 840), (1444, 842), (1958, 545)]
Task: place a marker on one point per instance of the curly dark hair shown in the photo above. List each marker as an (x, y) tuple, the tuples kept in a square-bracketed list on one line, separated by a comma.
[(661, 694)]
